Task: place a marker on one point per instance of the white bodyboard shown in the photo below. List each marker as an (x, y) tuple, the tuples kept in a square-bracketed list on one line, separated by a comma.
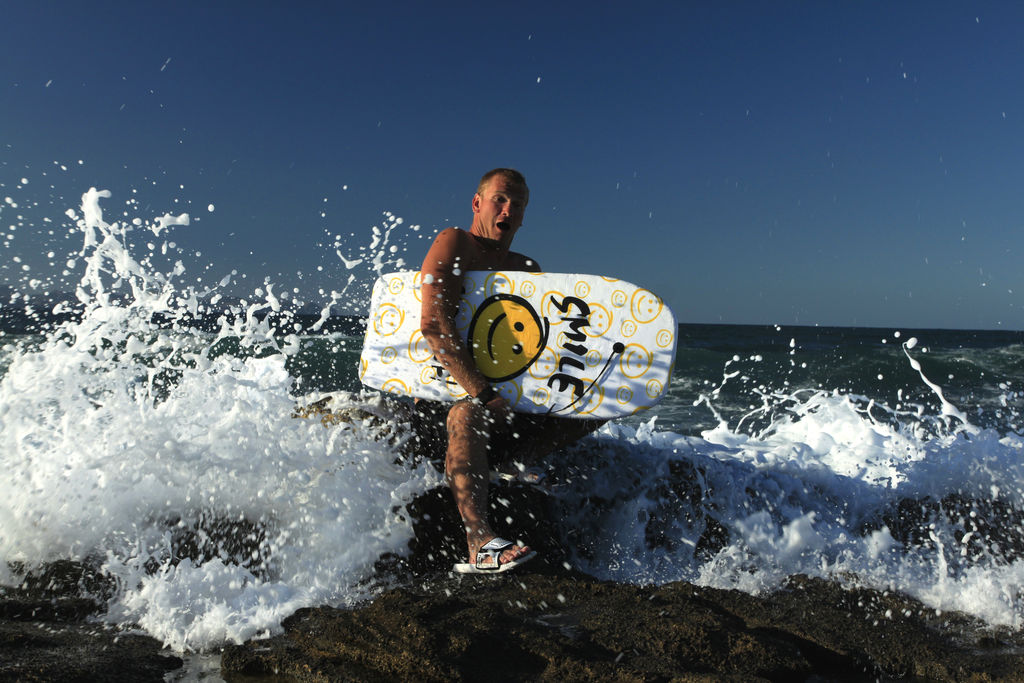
[(551, 343)]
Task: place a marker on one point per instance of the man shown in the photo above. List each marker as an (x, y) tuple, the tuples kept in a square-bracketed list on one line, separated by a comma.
[(484, 425)]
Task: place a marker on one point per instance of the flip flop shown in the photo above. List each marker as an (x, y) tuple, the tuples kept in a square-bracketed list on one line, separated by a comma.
[(531, 476), (488, 559)]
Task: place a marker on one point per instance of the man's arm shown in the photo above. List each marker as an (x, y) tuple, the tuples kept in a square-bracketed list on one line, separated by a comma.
[(443, 274)]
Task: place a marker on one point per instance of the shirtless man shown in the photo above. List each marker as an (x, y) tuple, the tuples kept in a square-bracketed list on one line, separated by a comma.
[(485, 422)]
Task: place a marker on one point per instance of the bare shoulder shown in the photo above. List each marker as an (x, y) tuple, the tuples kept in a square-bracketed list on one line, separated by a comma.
[(451, 244), (452, 238)]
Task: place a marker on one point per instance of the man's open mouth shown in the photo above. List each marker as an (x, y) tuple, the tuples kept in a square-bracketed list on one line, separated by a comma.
[(504, 225)]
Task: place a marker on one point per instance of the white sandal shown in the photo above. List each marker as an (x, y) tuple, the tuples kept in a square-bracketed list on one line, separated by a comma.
[(488, 559)]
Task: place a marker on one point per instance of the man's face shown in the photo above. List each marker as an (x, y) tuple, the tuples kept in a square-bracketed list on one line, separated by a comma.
[(499, 209)]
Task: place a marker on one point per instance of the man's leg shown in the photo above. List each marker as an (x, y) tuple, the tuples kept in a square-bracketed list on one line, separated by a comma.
[(467, 470)]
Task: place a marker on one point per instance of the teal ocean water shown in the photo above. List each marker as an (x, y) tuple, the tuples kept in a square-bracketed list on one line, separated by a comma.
[(139, 406)]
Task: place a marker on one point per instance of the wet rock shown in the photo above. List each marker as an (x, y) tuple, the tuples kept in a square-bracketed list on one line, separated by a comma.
[(542, 622), (548, 625), (45, 634), (48, 651), (62, 579), (546, 622), (208, 535), (990, 528)]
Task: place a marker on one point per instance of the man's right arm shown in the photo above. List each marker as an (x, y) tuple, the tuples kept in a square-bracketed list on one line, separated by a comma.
[(443, 272)]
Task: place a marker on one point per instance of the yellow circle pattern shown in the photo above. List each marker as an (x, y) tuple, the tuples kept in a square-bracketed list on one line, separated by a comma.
[(499, 283), (389, 320), (541, 396), (545, 364), (548, 309), (645, 306), (592, 401), (417, 286), (600, 321), (635, 361), (396, 386), (419, 349), (654, 388)]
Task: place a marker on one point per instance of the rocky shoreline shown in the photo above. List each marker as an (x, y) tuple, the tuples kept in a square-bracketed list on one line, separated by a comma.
[(545, 621), (49, 634), (557, 626), (546, 624)]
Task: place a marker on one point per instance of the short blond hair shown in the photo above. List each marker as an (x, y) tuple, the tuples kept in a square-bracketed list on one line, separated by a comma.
[(513, 176)]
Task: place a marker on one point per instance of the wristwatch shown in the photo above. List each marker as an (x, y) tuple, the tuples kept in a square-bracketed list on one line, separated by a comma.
[(487, 395)]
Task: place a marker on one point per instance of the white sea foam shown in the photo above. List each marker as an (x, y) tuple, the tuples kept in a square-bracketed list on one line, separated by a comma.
[(813, 494), (117, 434)]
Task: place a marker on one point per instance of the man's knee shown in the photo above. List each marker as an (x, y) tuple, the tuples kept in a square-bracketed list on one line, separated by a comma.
[(469, 416), (463, 412)]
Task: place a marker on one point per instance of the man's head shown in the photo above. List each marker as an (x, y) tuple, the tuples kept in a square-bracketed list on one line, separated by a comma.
[(513, 176), (499, 204)]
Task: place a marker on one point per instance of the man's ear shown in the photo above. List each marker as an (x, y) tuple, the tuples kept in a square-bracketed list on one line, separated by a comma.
[(476, 203)]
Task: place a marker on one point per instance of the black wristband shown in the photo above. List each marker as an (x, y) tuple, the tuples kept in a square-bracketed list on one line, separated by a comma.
[(487, 395)]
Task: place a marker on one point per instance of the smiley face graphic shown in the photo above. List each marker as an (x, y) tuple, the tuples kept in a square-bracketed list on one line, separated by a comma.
[(506, 336)]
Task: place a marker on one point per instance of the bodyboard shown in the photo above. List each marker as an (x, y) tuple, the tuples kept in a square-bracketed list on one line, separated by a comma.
[(551, 343)]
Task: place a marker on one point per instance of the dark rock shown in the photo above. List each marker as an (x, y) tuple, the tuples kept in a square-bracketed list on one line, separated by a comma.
[(547, 622), (64, 579), (990, 528), (48, 651), (207, 536), (44, 635), (543, 621), (530, 626)]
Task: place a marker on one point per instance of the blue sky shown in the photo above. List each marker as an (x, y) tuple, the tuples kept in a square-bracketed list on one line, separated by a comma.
[(833, 163)]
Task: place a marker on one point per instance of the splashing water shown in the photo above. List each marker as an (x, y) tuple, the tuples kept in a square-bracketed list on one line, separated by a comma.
[(818, 482), (178, 468), (170, 459)]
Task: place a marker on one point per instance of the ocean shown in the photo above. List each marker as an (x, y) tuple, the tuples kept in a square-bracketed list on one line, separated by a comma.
[(888, 458)]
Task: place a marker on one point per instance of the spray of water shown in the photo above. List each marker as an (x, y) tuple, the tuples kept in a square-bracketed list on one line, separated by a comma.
[(816, 481), (170, 461)]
